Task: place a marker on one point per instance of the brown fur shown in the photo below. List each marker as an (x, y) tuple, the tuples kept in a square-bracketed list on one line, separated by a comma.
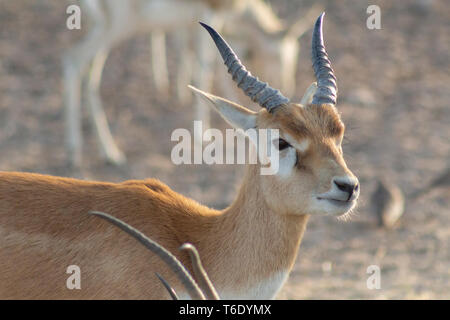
[(45, 226)]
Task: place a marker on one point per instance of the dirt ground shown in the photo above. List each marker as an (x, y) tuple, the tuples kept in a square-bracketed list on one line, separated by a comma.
[(394, 86)]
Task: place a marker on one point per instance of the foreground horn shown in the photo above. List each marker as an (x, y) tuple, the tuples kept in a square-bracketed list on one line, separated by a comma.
[(326, 81), (257, 90), (174, 264)]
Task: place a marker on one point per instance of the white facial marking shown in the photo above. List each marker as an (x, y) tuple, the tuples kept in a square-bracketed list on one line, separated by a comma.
[(287, 160), (288, 157)]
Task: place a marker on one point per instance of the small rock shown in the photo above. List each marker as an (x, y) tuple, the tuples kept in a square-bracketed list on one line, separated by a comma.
[(389, 203)]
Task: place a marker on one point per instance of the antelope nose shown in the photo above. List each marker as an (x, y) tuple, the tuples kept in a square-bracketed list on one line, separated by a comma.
[(348, 185)]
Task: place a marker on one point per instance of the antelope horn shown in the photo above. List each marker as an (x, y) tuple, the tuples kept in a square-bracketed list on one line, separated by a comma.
[(326, 81), (174, 264), (166, 285), (200, 273), (260, 92)]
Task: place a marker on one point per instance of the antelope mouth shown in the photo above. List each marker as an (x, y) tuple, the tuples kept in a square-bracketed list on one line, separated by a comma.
[(335, 207), (338, 202)]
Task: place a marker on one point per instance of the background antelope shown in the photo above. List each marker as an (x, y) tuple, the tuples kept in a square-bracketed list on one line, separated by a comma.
[(248, 249), (114, 21)]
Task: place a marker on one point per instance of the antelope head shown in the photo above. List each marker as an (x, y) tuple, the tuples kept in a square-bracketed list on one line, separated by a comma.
[(313, 177)]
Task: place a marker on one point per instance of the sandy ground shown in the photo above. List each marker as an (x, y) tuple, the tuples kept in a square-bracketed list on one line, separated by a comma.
[(394, 97)]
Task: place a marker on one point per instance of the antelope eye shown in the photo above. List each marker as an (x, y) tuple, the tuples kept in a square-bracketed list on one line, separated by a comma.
[(282, 144)]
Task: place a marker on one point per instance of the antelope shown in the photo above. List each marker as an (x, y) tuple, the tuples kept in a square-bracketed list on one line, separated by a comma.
[(115, 21), (248, 249)]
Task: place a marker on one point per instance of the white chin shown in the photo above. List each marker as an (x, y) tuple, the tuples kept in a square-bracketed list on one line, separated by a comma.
[(334, 207)]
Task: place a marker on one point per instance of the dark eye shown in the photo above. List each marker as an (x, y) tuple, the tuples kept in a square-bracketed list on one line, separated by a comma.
[(283, 144)]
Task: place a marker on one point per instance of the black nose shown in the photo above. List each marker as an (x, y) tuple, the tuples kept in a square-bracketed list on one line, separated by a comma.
[(350, 188)]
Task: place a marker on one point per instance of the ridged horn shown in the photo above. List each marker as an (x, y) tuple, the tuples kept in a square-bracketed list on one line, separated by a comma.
[(202, 277), (260, 92), (326, 81)]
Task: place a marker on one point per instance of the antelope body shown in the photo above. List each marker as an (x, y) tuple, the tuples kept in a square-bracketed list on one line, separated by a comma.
[(48, 230), (248, 249)]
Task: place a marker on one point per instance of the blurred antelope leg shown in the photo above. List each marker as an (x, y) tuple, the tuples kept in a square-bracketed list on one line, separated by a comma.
[(75, 63), (108, 146), (159, 62), (72, 117), (185, 62)]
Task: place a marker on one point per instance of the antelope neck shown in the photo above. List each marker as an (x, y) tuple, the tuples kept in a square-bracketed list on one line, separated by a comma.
[(252, 241)]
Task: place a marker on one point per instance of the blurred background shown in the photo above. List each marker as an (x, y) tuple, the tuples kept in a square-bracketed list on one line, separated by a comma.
[(394, 94)]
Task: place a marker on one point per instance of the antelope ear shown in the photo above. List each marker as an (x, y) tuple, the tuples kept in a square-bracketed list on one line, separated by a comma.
[(234, 114), (309, 94)]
